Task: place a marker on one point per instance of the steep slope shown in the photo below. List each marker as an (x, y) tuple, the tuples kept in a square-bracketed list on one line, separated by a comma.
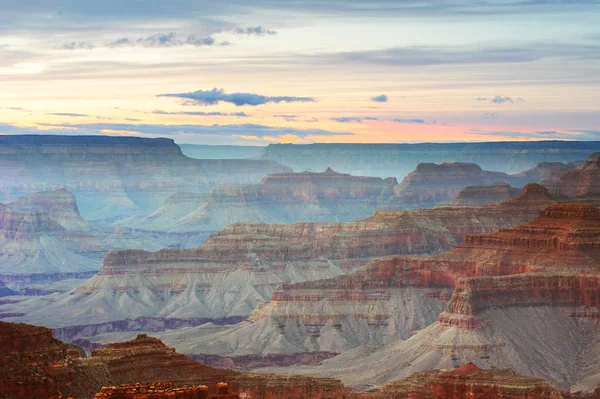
[(240, 266), (388, 300), (431, 184), (279, 198), (469, 381), (392, 297), (33, 249), (114, 177), (532, 304), (400, 159), (584, 179)]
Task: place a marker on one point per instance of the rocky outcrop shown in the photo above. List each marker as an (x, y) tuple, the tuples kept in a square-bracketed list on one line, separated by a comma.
[(35, 365), (582, 180), (389, 299), (469, 381), (35, 248), (153, 391), (115, 177), (525, 297), (481, 195), (431, 184), (59, 205), (400, 159), (279, 198)]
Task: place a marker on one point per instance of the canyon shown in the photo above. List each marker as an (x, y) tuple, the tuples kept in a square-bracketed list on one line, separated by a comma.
[(34, 364), (115, 177), (583, 180), (400, 159), (525, 298), (240, 266)]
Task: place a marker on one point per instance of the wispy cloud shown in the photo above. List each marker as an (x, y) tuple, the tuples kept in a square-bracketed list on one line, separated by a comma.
[(501, 100), (69, 114), (254, 31), (539, 135), (351, 119), (382, 98), (200, 113), (411, 121), (289, 118), (214, 96), (164, 40)]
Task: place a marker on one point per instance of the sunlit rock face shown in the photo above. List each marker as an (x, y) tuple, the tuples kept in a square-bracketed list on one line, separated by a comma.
[(581, 181), (400, 159), (279, 198), (113, 177), (388, 300), (469, 381), (525, 297)]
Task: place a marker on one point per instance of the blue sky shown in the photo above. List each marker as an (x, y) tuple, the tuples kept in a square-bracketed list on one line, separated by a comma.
[(338, 71)]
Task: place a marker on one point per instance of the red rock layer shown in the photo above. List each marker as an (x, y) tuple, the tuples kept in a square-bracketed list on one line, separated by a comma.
[(468, 381), (481, 195), (153, 391)]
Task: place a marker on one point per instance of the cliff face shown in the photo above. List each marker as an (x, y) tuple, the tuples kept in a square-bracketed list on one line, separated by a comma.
[(114, 177), (400, 159), (525, 297), (385, 301), (582, 180), (432, 184), (240, 266), (59, 205), (469, 381), (279, 198), (35, 248), (481, 195)]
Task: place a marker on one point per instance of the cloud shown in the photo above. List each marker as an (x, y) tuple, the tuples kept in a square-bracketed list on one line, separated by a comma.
[(76, 46), (214, 96), (69, 114), (411, 121), (289, 118), (164, 40), (200, 113), (351, 119), (501, 100), (224, 131), (380, 99), (254, 31)]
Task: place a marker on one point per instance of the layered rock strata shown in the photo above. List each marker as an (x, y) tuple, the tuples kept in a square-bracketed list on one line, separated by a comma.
[(400, 159), (114, 177), (393, 297), (481, 195), (279, 198), (240, 266), (431, 184), (582, 180)]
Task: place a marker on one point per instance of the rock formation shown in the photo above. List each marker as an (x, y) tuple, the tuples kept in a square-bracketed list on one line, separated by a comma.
[(469, 381), (527, 298), (240, 266), (582, 180), (35, 248), (386, 301), (481, 195), (279, 198), (400, 159), (114, 177), (431, 184)]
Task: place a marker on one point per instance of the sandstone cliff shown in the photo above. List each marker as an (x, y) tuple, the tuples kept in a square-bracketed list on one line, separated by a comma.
[(481, 195)]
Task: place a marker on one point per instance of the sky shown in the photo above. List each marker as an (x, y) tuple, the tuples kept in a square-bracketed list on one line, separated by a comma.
[(254, 72)]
